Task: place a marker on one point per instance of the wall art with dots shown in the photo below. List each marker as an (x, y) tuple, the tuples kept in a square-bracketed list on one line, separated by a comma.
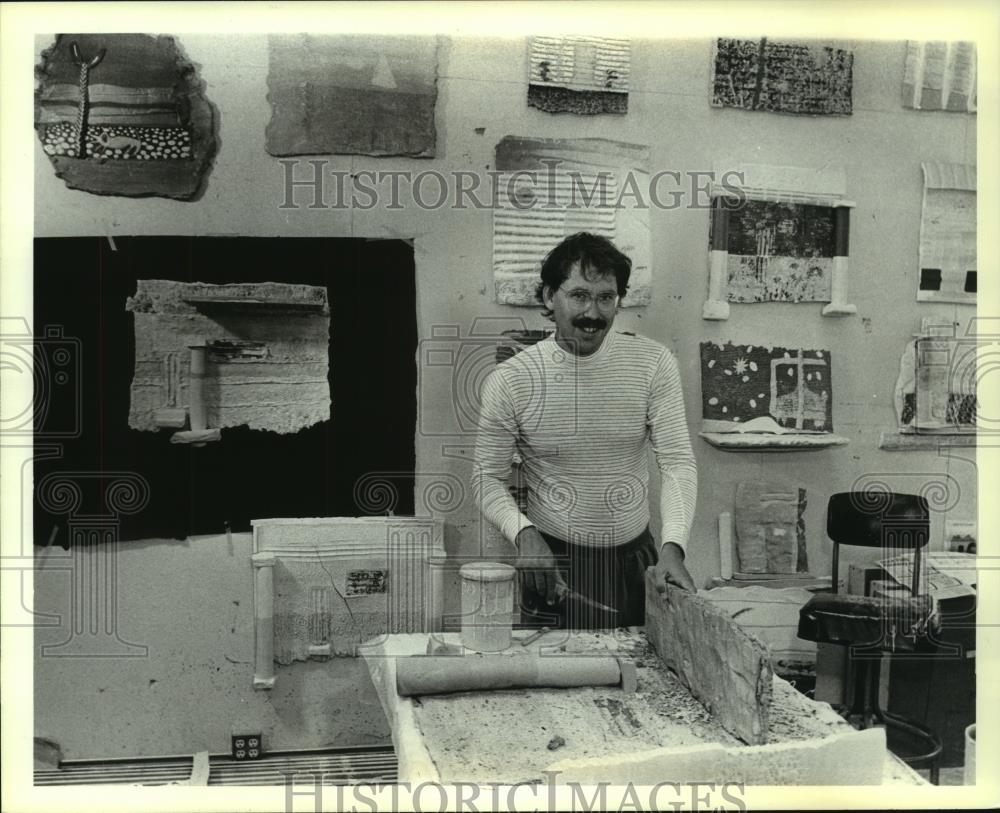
[(124, 114), (754, 388)]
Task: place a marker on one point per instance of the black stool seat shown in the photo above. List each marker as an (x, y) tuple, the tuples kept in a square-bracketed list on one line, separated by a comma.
[(862, 621), (872, 626)]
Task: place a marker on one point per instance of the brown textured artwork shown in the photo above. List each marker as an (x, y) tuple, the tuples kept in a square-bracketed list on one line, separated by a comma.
[(124, 114), (352, 95), (579, 74), (810, 78)]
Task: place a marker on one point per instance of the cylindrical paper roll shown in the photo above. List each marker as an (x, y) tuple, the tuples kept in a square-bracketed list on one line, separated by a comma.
[(726, 544), (263, 563), (196, 395), (439, 674)]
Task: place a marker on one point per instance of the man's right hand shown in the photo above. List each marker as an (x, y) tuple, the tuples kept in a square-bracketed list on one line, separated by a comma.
[(538, 566)]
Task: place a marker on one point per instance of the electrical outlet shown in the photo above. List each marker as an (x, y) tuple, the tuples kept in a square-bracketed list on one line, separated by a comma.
[(247, 746)]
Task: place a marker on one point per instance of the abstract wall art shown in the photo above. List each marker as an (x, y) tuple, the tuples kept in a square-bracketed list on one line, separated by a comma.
[(124, 114), (579, 74), (948, 235), (218, 356), (762, 393), (805, 78), (770, 528), (352, 94), (778, 234), (940, 76), (547, 189), (936, 388)]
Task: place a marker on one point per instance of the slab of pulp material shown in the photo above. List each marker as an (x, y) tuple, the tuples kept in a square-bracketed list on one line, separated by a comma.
[(602, 733)]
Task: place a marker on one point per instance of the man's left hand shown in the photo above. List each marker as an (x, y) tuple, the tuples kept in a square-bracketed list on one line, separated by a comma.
[(670, 568)]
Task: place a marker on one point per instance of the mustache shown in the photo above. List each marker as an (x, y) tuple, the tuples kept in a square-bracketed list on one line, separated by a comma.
[(584, 322)]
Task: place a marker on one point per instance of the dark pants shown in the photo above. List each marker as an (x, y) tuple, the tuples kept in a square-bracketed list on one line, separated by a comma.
[(613, 576)]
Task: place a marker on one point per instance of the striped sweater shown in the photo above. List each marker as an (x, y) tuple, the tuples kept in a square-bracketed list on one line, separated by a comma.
[(582, 427)]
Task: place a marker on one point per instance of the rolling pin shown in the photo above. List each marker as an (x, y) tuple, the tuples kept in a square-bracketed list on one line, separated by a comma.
[(440, 674)]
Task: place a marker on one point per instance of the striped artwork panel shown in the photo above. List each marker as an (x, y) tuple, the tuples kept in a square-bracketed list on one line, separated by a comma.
[(548, 189), (586, 75)]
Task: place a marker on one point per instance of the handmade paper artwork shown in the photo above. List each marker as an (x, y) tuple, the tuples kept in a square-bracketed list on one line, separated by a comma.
[(940, 76), (326, 587), (750, 388), (579, 74), (547, 189), (805, 78), (778, 234), (209, 357), (948, 235), (770, 528), (780, 252), (936, 388), (352, 95), (124, 114)]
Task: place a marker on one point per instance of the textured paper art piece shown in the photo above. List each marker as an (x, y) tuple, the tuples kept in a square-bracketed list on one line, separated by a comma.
[(579, 74), (352, 94), (936, 389), (948, 235), (547, 189), (751, 388), (253, 354), (811, 78), (780, 252), (940, 76), (770, 529), (325, 586), (124, 114), (778, 234)]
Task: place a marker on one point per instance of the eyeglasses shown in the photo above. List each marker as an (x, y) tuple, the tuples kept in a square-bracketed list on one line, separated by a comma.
[(581, 299)]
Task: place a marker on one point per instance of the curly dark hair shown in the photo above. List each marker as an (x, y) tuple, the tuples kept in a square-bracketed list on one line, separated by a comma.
[(596, 255)]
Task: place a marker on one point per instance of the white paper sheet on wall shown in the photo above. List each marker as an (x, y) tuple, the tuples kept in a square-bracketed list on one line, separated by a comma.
[(948, 235)]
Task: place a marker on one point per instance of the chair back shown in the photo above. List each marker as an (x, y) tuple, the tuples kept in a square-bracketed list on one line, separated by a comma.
[(878, 519)]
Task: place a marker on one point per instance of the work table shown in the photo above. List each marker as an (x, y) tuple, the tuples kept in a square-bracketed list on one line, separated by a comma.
[(658, 733)]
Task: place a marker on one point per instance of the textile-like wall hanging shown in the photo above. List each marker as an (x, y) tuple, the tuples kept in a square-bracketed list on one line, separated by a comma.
[(948, 235), (124, 114), (778, 234), (352, 94), (811, 78), (940, 76), (756, 397), (547, 189), (578, 74)]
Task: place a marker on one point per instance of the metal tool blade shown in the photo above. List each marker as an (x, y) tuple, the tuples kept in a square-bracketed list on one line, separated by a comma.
[(567, 593)]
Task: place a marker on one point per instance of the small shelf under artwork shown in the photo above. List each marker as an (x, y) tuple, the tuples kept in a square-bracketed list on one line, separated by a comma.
[(210, 304), (893, 441), (766, 442)]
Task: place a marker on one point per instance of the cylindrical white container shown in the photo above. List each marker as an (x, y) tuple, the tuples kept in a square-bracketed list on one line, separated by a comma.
[(970, 755), (487, 605)]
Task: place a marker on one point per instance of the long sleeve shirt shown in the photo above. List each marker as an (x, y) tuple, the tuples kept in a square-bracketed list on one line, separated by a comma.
[(582, 426)]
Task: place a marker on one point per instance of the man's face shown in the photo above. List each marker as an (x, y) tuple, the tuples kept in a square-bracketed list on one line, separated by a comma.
[(583, 308)]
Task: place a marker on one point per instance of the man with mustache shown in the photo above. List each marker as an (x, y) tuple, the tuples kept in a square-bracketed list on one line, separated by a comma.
[(582, 408)]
